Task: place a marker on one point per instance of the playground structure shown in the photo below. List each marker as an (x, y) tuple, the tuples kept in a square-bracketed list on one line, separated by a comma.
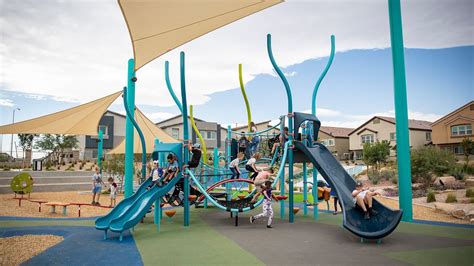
[(302, 146)]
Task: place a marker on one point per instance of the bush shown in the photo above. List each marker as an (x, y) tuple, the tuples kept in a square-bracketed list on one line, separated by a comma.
[(374, 176), (394, 180), (427, 161), (471, 200), (469, 193), (430, 197), (457, 172), (451, 198), (387, 174)]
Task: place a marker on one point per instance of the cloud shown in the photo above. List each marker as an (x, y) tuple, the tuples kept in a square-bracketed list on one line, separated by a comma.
[(70, 51), (158, 116), (290, 74), (6, 102)]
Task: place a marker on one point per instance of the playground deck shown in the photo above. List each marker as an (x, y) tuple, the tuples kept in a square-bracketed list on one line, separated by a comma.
[(213, 240)]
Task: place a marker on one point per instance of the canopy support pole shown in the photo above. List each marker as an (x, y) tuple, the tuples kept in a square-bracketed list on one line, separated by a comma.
[(100, 144), (129, 130), (185, 138)]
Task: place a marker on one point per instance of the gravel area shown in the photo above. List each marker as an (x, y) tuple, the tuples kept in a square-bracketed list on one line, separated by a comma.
[(30, 209), (18, 249)]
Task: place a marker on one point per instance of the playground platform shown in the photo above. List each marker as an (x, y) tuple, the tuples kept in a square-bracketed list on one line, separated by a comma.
[(212, 239)]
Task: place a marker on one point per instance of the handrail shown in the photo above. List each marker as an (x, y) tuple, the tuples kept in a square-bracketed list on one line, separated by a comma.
[(193, 124), (254, 133), (140, 133), (318, 83), (170, 88), (247, 106)]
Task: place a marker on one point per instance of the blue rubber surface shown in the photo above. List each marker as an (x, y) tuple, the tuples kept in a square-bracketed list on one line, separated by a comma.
[(81, 246)]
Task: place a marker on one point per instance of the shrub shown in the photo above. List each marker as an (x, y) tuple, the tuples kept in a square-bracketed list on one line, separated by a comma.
[(471, 200), (469, 193), (394, 180), (387, 174), (457, 172), (427, 161), (430, 197), (451, 198), (374, 176)]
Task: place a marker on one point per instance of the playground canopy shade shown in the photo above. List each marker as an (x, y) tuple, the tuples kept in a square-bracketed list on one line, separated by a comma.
[(80, 120), (158, 26), (150, 132)]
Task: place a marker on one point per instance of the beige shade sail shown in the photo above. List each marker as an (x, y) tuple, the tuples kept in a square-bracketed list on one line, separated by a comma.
[(150, 132), (80, 120), (158, 26)]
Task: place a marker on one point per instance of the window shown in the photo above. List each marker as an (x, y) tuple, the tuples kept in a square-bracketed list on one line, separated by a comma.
[(175, 133), (376, 121), (94, 153), (328, 142), (393, 136), (461, 130), (458, 150), (209, 135), (105, 131), (367, 138), (428, 136)]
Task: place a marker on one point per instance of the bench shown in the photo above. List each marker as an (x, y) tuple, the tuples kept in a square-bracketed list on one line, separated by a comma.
[(79, 204), (39, 203), (54, 204)]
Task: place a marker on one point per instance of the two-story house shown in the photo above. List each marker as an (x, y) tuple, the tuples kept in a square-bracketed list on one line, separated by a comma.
[(380, 128), (336, 139), (213, 134), (260, 126), (451, 129)]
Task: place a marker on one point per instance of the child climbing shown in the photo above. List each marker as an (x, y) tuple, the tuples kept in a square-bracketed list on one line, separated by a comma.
[(255, 139), (267, 205), (282, 138), (196, 157), (113, 191), (250, 166), (260, 181), (96, 186), (243, 144), (234, 166)]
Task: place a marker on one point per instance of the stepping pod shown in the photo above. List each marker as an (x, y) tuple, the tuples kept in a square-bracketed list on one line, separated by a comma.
[(280, 197), (170, 214), (296, 210), (192, 197)]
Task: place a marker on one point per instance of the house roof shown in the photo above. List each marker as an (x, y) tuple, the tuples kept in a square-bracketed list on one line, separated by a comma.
[(337, 132), (115, 113), (257, 124), (176, 116), (453, 113), (412, 123)]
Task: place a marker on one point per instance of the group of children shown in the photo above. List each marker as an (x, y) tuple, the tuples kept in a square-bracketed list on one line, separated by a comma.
[(97, 188)]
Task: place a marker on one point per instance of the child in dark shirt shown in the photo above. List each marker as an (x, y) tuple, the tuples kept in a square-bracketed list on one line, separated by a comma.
[(267, 205)]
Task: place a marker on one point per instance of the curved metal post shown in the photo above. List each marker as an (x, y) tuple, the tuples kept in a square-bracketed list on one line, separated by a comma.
[(128, 179), (140, 133), (185, 138), (290, 125), (318, 83), (203, 144), (401, 109), (247, 105), (170, 88), (282, 178)]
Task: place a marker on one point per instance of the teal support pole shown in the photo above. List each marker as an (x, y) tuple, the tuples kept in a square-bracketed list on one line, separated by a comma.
[(305, 190), (282, 177), (129, 169), (100, 146), (140, 133), (290, 127), (161, 161), (401, 110), (229, 157), (313, 111), (157, 214), (170, 88), (185, 138)]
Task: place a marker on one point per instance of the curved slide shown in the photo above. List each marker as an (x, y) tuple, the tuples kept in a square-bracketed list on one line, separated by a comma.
[(377, 226), (103, 223)]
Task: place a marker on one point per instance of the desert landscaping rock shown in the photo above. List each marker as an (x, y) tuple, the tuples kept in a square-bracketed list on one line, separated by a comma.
[(18, 249), (470, 182)]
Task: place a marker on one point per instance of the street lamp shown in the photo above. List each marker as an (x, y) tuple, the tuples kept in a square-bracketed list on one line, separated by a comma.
[(13, 122)]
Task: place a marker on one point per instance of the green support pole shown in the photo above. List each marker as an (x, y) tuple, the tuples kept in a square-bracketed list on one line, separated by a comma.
[(290, 127), (185, 138), (247, 105), (282, 177), (401, 110), (100, 146), (129, 130)]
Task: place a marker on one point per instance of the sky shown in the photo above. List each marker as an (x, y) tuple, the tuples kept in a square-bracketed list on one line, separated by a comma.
[(57, 54)]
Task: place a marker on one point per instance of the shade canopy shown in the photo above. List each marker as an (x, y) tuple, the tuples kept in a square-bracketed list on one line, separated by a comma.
[(80, 120), (150, 132), (158, 26)]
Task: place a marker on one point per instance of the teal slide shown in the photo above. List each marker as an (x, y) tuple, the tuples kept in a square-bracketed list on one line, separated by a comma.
[(103, 223), (140, 207)]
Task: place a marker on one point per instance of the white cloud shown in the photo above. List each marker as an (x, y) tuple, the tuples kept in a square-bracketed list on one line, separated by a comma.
[(70, 51), (290, 74), (158, 116), (6, 102)]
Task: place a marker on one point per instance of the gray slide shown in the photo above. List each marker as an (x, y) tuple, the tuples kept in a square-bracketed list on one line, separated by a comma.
[(377, 226)]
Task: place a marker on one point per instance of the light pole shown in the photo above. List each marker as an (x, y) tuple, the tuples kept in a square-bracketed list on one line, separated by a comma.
[(13, 122)]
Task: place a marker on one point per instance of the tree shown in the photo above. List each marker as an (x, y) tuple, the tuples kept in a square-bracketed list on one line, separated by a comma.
[(376, 153), (56, 144), (468, 147), (26, 143), (429, 161)]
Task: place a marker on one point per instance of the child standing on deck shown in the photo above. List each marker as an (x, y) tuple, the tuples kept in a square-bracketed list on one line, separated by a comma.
[(267, 205), (113, 191), (250, 166), (234, 166)]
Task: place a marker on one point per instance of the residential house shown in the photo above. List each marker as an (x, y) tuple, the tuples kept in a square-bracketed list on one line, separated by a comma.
[(336, 139), (380, 128), (451, 129), (212, 133), (112, 125), (260, 126)]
